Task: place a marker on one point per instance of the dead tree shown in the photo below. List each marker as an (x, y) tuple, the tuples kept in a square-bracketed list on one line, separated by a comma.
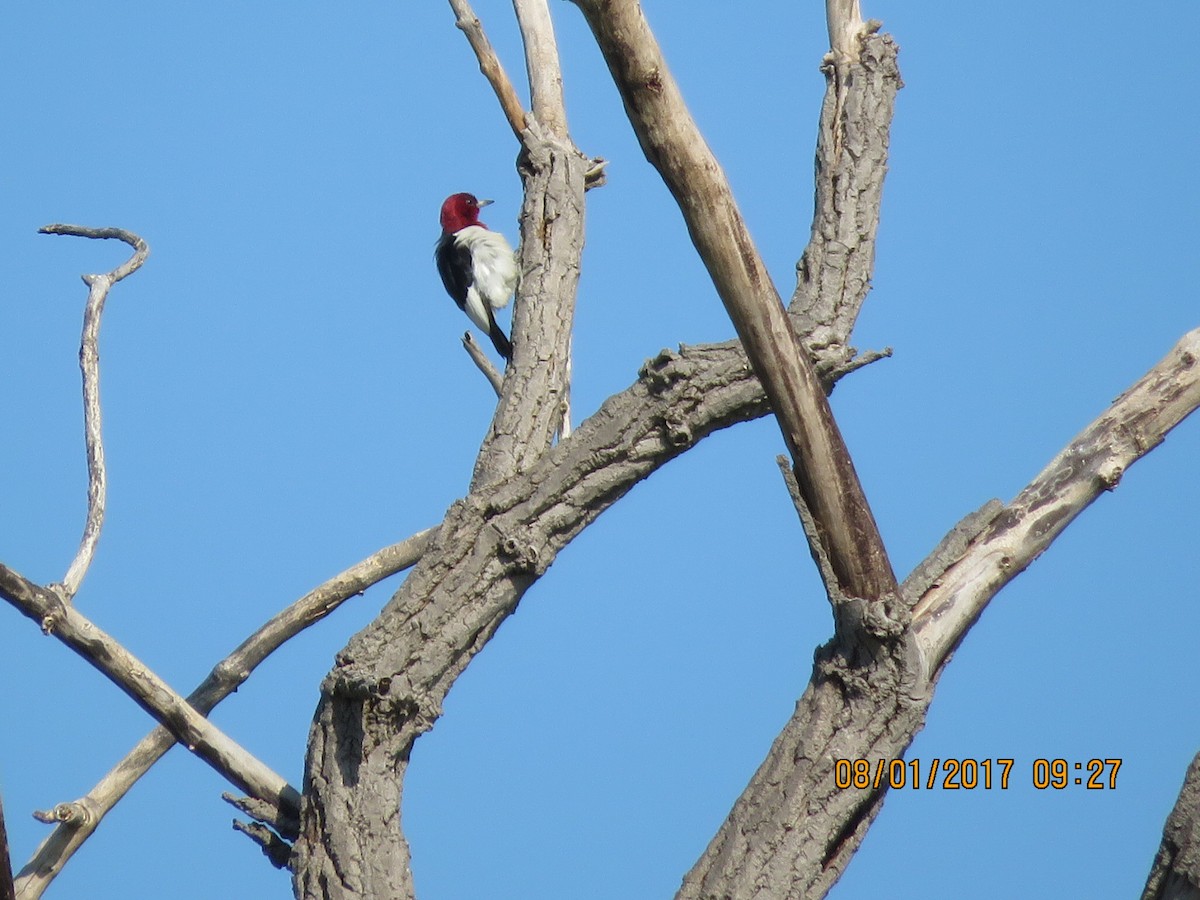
[(537, 484)]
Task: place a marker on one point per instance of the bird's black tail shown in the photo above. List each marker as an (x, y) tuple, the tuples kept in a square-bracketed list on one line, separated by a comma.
[(499, 340)]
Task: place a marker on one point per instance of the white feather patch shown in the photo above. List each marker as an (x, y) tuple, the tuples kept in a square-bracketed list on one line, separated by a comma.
[(494, 266)]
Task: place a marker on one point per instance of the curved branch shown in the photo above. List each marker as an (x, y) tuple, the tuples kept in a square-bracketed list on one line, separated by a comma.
[(834, 273), (491, 547), (89, 364), (79, 819)]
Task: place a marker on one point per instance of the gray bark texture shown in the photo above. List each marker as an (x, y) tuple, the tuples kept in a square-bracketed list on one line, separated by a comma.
[(793, 831), (1175, 874)]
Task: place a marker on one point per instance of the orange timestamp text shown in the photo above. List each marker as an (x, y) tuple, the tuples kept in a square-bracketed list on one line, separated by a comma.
[(972, 774)]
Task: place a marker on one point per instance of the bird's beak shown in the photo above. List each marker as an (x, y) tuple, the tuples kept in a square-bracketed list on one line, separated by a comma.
[(483, 203)]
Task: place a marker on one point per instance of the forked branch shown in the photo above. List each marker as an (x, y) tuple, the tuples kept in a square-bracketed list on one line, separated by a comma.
[(674, 145), (79, 819)]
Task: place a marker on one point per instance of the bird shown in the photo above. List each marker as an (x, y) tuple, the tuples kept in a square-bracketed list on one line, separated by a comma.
[(477, 265)]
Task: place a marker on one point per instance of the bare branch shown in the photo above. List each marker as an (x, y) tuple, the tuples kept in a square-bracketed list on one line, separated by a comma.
[(489, 65), (80, 819), (845, 22), (149, 691), (543, 66), (1175, 874), (89, 364), (1091, 464), (674, 145), (834, 273), (495, 379)]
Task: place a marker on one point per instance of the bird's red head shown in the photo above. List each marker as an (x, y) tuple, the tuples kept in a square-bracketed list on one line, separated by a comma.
[(461, 210)]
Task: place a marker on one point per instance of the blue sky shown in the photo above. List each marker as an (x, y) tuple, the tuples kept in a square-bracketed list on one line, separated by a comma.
[(284, 393)]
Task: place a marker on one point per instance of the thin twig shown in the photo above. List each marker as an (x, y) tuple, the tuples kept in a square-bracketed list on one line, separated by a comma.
[(820, 557), (485, 365), (78, 820), (89, 364), (489, 65), (149, 691)]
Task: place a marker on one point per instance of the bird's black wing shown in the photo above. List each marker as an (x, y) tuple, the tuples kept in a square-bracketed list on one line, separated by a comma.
[(454, 265)]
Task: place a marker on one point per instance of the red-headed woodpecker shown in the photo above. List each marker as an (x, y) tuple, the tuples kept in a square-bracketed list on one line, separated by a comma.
[(478, 267)]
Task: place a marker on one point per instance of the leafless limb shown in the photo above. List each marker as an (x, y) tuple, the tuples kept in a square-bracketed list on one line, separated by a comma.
[(495, 379), (1175, 874), (543, 66), (834, 273), (149, 691), (80, 818), (489, 65), (1091, 464), (674, 145), (89, 364)]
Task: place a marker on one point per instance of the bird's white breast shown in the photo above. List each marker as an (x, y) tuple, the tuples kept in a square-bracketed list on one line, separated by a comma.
[(493, 264)]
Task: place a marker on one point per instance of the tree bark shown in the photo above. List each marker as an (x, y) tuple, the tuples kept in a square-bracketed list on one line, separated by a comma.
[(1175, 874)]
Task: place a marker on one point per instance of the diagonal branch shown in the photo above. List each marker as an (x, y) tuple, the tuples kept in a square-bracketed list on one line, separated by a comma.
[(489, 65), (674, 145), (89, 364), (79, 819), (1091, 464), (149, 691)]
